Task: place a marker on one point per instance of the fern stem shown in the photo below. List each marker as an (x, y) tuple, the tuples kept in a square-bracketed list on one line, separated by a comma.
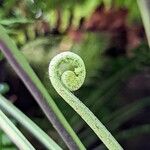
[(65, 81)]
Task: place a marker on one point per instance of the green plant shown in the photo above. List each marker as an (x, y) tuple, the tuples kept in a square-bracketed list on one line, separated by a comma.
[(42, 29), (27, 123), (65, 80), (15, 135), (145, 14), (37, 89)]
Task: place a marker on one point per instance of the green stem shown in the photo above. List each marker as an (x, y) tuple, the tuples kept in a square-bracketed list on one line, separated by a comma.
[(28, 124), (39, 92), (144, 6), (65, 81), (118, 117), (14, 134)]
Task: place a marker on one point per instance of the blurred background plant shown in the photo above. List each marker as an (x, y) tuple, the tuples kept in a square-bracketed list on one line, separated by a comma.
[(110, 37)]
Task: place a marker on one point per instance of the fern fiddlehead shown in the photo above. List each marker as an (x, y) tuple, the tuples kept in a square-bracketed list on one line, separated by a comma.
[(67, 73)]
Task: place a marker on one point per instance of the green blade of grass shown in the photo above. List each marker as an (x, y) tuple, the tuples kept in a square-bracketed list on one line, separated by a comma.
[(13, 133), (28, 124), (37, 89), (144, 6)]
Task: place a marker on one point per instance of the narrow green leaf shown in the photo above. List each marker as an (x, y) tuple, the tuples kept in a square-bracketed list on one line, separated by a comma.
[(14, 134), (37, 89), (28, 124), (144, 6)]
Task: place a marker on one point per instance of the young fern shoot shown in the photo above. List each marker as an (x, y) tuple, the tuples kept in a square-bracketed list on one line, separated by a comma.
[(67, 73)]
